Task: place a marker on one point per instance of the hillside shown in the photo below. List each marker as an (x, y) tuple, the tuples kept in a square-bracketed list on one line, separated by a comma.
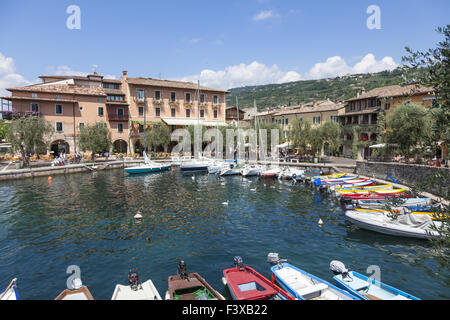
[(294, 93)]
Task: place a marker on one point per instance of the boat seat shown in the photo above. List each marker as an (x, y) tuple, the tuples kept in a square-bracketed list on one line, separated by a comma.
[(312, 291), (399, 297), (358, 284)]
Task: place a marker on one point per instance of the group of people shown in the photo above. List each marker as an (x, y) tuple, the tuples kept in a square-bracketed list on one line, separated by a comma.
[(60, 160)]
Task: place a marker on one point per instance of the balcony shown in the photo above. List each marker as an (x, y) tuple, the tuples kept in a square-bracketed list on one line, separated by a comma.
[(117, 117), (11, 115)]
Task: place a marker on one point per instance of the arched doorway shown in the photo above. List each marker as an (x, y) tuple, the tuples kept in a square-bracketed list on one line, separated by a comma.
[(59, 146), (138, 147), (120, 146)]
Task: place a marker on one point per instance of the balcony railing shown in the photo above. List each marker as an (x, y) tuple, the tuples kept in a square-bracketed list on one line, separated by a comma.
[(117, 117), (10, 115)]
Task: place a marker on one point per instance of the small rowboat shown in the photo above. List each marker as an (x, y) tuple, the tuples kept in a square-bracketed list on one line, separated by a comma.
[(190, 286), (78, 292), (135, 290), (375, 187), (374, 196), (364, 287), (10, 292), (244, 283), (250, 171), (302, 285), (348, 184), (376, 191), (271, 173)]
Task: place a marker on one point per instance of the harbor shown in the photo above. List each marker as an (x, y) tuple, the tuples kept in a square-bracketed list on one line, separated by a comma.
[(88, 220)]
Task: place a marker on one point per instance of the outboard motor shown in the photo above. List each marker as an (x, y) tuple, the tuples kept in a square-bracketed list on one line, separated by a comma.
[(338, 267), (273, 259), (238, 262), (133, 280), (182, 269)]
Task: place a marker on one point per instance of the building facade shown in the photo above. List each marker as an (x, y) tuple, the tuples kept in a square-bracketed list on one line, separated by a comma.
[(361, 114), (128, 106)]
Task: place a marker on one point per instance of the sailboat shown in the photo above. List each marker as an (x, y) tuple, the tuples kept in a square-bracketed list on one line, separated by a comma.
[(148, 167)]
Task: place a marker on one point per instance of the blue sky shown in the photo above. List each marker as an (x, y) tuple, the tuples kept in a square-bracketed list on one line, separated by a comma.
[(222, 43)]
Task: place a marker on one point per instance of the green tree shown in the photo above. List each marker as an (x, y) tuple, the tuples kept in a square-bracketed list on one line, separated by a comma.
[(29, 135), (300, 133), (331, 133), (158, 136), (435, 62), (95, 138), (408, 126), (3, 130)]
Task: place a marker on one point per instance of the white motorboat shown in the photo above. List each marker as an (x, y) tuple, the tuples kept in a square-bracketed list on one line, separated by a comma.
[(405, 224), (291, 173), (270, 173), (231, 170), (10, 292), (251, 170), (136, 290), (215, 167)]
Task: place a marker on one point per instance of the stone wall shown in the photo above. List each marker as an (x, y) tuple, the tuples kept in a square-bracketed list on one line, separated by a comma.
[(411, 175)]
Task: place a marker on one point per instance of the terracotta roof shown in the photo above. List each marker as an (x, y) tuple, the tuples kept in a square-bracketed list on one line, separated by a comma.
[(170, 84), (394, 91), (114, 91), (79, 78), (62, 88)]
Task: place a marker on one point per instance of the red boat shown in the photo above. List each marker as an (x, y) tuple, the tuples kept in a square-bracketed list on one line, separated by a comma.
[(245, 283), (374, 196)]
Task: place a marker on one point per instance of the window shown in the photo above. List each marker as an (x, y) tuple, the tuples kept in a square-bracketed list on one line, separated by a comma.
[(287, 121), (59, 127), (100, 111), (387, 106), (140, 95), (202, 113), (35, 107), (188, 98), (58, 109), (141, 128), (202, 98), (80, 125), (58, 96), (120, 111), (34, 95), (334, 118), (316, 120), (120, 127), (215, 114), (173, 112), (158, 112), (158, 95), (188, 113), (100, 100), (141, 111), (216, 100), (173, 96)]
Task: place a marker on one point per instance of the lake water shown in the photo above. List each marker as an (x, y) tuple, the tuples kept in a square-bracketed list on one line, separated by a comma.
[(87, 220)]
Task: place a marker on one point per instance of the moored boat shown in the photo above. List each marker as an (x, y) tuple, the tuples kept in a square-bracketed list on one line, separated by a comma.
[(78, 292), (244, 283), (251, 170), (10, 292), (231, 170), (364, 287), (404, 223), (270, 173), (135, 290), (190, 286), (303, 285), (148, 167)]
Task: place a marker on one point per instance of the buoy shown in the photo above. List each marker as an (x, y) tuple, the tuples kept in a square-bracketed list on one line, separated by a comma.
[(50, 178), (138, 215), (225, 203), (320, 222)]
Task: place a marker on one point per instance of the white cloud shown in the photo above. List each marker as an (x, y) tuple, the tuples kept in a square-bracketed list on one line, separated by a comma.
[(240, 75), (8, 76), (263, 15), (337, 66)]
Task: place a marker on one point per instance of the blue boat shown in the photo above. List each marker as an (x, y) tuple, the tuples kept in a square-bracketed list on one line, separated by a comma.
[(10, 293), (303, 285), (148, 167), (364, 287)]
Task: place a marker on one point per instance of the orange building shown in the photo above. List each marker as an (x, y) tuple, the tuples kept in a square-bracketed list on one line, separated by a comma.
[(125, 105)]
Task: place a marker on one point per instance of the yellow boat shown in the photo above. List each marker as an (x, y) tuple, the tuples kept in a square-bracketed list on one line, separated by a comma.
[(377, 191), (329, 176), (434, 215), (378, 187)]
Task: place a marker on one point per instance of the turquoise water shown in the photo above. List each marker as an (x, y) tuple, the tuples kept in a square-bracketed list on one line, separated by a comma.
[(87, 220)]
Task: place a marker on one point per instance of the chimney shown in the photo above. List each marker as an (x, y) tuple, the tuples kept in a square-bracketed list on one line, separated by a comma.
[(124, 72)]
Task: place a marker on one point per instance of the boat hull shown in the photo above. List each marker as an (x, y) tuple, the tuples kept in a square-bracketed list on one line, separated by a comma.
[(145, 169)]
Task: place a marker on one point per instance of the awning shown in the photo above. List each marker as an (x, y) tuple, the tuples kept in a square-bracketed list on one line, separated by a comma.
[(382, 145), (284, 145), (192, 122)]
